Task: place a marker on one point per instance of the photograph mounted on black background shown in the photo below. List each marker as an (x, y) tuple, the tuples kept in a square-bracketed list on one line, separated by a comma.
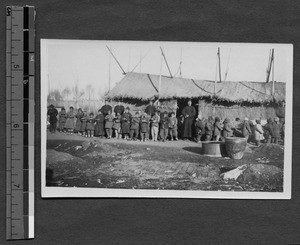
[(166, 119)]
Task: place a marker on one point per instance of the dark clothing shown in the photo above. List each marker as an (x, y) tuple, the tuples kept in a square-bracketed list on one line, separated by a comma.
[(164, 122), (268, 130), (83, 123), (125, 122), (99, 127), (144, 124), (280, 112), (276, 129), (189, 113), (79, 116), (62, 120), (119, 109), (52, 113), (105, 109), (246, 129), (150, 110), (227, 132), (135, 122), (163, 133), (134, 133), (90, 123)]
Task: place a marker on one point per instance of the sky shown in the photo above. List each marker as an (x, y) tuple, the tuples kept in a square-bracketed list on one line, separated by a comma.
[(87, 62)]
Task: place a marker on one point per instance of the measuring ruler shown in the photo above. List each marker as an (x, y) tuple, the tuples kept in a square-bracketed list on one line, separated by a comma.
[(20, 34)]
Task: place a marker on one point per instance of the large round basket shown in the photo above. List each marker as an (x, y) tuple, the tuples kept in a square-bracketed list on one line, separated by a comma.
[(235, 147), (213, 148)]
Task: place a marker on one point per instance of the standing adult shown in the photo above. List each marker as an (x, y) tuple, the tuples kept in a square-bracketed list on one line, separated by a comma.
[(52, 113), (246, 129), (150, 109), (188, 113), (106, 108), (119, 109), (280, 112), (99, 126)]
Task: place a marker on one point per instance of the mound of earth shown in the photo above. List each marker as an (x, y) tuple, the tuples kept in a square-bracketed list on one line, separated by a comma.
[(268, 177), (270, 149)]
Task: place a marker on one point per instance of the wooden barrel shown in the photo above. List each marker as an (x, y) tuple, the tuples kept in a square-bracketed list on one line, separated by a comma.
[(213, 148), (235, 147)]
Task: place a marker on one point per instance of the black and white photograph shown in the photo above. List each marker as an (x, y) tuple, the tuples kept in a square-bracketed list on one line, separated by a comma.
[(166, 119)]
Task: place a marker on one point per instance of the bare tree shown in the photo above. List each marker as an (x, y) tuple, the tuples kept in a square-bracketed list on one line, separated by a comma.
[(66, 93), (89, 89), (54, 95), (77, 93)]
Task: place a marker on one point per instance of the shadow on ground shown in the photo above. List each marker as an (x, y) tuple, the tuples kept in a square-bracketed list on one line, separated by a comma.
[(197, 150)]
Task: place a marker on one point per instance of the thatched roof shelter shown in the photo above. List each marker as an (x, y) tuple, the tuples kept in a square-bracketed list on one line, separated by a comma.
[(146, 86)]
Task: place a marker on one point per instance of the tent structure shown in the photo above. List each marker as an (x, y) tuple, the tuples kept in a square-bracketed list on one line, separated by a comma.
[(244, 97)]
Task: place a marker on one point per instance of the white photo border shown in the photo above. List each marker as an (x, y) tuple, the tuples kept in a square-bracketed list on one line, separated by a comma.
[(71, 192)]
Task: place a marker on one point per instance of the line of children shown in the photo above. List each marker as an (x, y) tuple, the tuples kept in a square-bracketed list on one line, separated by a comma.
[(159, 126)]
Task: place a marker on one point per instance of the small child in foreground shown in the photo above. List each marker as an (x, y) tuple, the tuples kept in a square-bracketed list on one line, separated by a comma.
[(134, 126), (90, 124), (144, 126), (173, 127), (108, 124), (117, 125), (164, 127)]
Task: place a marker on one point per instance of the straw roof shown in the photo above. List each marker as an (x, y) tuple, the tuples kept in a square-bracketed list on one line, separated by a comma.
[(146, 86)]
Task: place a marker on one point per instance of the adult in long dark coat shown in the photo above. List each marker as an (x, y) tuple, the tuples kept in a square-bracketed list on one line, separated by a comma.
[(150, 109), (52, 113), (125, 123), (105, 108), (188, 113), (99, 126), (119, 109)]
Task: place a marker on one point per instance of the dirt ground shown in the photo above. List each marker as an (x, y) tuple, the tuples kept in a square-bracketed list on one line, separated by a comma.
[(179, 165)]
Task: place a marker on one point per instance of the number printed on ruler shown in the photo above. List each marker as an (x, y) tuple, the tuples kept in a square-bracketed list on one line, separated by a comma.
[(20, 35)]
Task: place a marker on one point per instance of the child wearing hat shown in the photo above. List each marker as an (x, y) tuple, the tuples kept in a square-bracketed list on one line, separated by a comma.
[(173, 126), (164, 127), (217, 129), (268, 129), (227, 132), (62, 115), (209, 128), (99, 126), (125, 123), (108, 124), (78, 117), (246, 131), (144, 127), (276, 130), (258, 132), (117, 125), (134, 126), (70, 120), (200, 128), (83, 121), (90, 124)]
